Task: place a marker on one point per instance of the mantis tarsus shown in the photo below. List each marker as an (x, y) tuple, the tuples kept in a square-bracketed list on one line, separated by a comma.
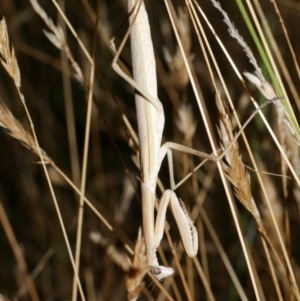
[(150, 117)]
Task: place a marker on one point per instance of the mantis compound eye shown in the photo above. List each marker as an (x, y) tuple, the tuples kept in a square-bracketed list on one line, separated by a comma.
[(161, 272)]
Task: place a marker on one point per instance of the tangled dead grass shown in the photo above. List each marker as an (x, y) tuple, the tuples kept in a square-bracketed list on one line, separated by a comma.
[(27, 204)]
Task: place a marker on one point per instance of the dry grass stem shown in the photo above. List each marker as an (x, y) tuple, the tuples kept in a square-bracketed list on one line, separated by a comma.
[(25, 275)]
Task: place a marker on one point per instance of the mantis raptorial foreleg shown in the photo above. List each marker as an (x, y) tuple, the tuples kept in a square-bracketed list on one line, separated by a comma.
[(185, 225), (150, 117)]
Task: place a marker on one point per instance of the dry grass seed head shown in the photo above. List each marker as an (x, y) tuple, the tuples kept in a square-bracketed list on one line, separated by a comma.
[(8, 59), (16, 130), (57, 38), (234, 167), (138, 269)]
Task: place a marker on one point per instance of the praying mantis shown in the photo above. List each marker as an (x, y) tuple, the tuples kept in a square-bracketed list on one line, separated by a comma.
[(150, 119)]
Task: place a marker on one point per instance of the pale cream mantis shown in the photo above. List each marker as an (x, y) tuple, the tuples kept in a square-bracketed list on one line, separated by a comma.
[(150, 116)]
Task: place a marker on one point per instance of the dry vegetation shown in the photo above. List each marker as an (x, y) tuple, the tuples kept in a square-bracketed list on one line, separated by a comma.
[(72, 193)]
